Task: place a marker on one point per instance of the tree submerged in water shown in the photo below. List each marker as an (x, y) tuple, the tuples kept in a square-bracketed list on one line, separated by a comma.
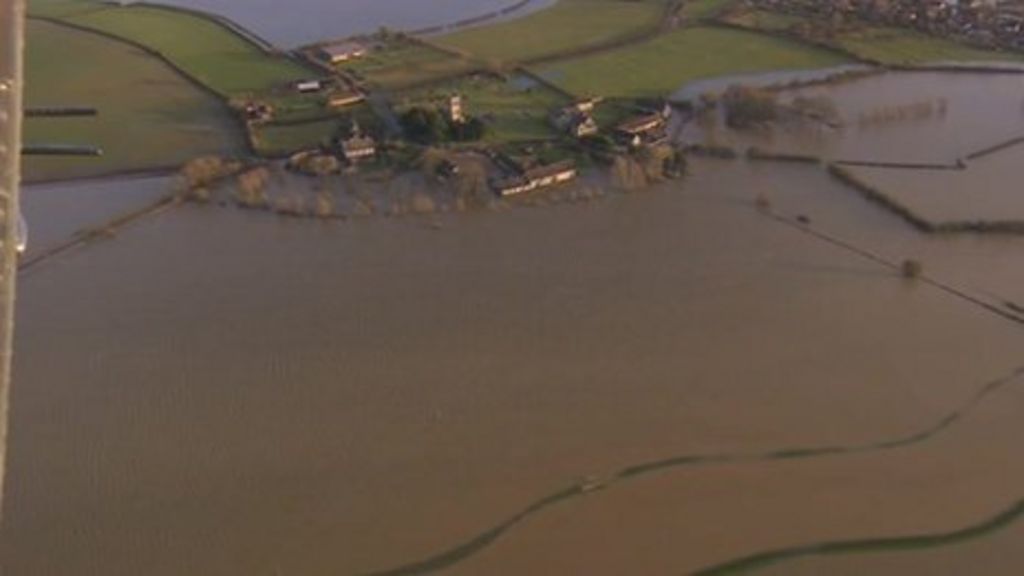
[(746, 106)]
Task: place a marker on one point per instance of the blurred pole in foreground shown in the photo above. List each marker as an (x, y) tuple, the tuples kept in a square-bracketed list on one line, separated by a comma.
[(12, 18)]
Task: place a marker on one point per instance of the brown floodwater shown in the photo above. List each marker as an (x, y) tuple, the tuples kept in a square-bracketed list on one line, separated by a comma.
[(919, 117), (56, 213), (224, 392), (987, 190)]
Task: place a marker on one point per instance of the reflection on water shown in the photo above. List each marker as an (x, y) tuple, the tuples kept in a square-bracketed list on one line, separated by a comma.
[(977, 110), (303, 21), (57, 212)]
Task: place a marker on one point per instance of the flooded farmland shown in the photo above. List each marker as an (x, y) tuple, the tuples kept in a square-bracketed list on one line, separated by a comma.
[(907, 117), (657, 382)]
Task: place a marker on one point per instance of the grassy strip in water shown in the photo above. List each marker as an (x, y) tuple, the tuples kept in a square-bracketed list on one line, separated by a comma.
[(456, 554), (755, 562), (755, 153)]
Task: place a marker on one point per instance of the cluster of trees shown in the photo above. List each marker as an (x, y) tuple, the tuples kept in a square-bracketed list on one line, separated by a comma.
[(429, 126), (746, 106)]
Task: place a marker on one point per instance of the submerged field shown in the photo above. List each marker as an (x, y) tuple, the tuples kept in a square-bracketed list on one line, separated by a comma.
[(149, 116), (356, 397), (661, 66)]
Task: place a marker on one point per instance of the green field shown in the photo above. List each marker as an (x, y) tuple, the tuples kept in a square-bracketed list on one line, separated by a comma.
[(512, 110), (897, 46), (149, 115), (402, 63), (705, 8), (663, 65), (569, 25), (283, 139), (765, 20), (207, 51)]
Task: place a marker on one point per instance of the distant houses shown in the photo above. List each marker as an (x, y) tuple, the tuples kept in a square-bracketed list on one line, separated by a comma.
[(645, 130), (257, 111), (577, 119), (535, 178), (357, 146), (309, 86), (341, 52), (344, 98)]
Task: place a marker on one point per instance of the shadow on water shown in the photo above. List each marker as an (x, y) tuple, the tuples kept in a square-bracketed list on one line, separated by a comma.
[(471, 547)]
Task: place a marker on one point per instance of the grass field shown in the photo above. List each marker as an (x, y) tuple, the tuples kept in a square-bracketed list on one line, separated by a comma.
[(663, 65), (149, 115), (220, 59), (279, 140), (705, 8), (513, 110), (896, 46), (765, 20), (402, 63), (568, 25)]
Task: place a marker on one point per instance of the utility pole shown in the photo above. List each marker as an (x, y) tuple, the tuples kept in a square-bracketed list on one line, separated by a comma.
[(12, 38)]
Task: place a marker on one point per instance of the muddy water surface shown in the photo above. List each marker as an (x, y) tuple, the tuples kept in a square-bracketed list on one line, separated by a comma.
[(226, 392), (928, 117), (219, 392)]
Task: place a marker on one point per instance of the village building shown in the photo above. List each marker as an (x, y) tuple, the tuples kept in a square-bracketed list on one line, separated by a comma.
[(342, 52), (536, 178), (257, 111), (582, 125), (577, 119), (642, 130), (344, 98), (357, 146), (309, 86), (454, 110)]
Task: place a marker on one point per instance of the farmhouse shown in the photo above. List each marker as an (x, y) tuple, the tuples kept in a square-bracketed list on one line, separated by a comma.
[(536, 178), (343, 98), (577, 118), (646, 129), (342, 52), (257, 111), (309, 86), (358, 146)]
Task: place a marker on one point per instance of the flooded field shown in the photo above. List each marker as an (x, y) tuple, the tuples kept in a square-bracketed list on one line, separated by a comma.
[(987, 190), (224, 393), (920, 117), (306, 21), (56, 213), (659, 382)]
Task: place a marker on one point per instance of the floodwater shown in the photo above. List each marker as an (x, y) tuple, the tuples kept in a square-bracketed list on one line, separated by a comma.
[(225, 392), (921, 117), (56, 213), (305, 21), (986, 190)]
